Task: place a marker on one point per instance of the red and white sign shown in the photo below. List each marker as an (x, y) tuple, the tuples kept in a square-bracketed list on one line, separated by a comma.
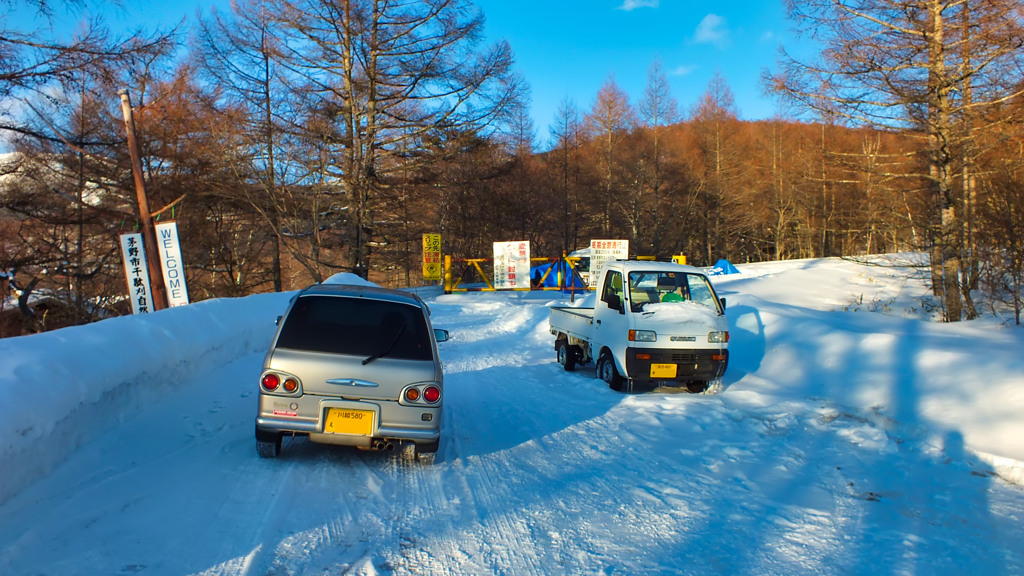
[(511, 265), (602, 251)]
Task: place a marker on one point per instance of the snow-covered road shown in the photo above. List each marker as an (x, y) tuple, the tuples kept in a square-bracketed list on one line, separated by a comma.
[(829, 452)]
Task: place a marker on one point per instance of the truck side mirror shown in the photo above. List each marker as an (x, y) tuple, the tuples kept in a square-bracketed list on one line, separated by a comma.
[(441, 335), (614, 302)]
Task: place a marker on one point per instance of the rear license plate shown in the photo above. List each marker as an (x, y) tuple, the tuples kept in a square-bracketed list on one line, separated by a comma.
[(663, 370), (355, 422)]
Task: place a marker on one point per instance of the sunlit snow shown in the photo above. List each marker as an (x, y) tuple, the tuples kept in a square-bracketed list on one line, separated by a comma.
[(854, 435)]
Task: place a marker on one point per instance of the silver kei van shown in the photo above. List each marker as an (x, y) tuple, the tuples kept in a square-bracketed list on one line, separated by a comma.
[(354, 366)]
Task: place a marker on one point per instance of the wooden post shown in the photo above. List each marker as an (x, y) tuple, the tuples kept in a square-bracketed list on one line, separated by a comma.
[(156, 277)]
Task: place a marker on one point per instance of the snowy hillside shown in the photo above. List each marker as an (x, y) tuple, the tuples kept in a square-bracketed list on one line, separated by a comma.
[(853, 436)]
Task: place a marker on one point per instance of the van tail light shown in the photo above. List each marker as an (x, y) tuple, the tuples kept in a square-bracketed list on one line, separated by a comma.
[(432, 394), (280, 383), (412, 394), (271, 382)]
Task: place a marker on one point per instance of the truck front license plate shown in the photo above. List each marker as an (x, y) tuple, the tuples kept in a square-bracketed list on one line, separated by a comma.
[(355, 422), (663, 370)]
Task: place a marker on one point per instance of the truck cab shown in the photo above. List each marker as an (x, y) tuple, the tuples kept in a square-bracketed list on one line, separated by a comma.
[(654, 324)]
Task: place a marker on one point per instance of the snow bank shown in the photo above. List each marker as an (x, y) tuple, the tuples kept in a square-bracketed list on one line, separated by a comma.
[(61, 388)]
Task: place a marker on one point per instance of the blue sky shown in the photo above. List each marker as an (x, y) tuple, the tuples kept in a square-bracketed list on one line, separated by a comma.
[(569, 48)]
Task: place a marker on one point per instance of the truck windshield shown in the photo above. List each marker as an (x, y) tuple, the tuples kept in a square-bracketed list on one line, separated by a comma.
[(647, 287)]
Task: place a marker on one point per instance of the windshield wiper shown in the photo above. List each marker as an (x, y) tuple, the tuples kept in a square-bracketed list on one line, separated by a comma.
[(401, 329)]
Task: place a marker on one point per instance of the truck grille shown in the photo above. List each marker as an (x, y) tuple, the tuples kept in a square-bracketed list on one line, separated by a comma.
[(682, 357)]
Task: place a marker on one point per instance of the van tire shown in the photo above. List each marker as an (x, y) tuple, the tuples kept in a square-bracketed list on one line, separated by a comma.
[(268, 449), (268, 444), (426, 452), (566, 355), (606, 371)]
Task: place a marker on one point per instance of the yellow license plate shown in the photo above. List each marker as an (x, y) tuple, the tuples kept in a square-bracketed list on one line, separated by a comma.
[(663, 370), (355, 422)]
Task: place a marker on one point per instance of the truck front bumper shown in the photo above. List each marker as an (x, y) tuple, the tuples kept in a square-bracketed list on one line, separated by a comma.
[(656, 365)]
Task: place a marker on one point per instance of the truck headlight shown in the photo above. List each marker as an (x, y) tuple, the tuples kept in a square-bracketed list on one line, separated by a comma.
[(718, 337), (643, 336)]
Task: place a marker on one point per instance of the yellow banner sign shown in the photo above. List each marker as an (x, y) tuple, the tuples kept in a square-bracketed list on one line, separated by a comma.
[(431, 256)]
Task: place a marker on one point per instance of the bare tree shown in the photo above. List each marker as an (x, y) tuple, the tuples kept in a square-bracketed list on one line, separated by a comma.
[(658, 110), (608, 123), (716, 123), (917, 65), (378, 77), (62, 200), (240, 52), (33, 60), (567, 130)]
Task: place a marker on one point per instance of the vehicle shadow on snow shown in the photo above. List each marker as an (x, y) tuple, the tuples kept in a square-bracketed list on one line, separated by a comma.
[(484, 413), (747, 345)]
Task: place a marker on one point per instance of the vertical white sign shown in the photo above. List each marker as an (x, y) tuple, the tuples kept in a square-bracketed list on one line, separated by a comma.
[(511, 265), (135, 270), (602, 251), (171, 264)]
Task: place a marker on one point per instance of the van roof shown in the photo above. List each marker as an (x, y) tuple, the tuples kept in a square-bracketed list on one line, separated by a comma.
[(359, 291)]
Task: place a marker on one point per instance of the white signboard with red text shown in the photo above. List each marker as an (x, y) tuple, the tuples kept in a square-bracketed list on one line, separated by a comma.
[(602, 251), (512, 265)]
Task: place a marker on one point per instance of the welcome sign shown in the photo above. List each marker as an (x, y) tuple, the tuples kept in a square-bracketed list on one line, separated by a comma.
[(171, 263)]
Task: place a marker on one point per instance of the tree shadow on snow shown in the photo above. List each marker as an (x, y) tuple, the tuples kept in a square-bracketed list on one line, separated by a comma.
[(845, 490)]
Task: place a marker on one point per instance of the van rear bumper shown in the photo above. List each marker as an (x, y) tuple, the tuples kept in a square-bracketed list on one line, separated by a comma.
[(286, 425), (691, 364), (273, 425)]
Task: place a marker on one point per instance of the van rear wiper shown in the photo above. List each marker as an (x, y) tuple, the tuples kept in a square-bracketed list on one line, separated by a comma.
[(387, 350)]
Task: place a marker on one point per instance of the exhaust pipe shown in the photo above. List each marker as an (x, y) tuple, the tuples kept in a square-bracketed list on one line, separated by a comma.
[(382, 446)]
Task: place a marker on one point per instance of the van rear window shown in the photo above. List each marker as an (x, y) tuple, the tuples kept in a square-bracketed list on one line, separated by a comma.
[(356, 326)]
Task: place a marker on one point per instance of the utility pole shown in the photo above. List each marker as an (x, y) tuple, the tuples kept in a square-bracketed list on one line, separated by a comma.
[(156, 277)]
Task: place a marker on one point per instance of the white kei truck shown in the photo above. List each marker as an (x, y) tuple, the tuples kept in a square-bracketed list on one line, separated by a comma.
[(654, 325)]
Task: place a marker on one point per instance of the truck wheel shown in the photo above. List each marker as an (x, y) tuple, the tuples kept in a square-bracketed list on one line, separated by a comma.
[(606, 371), (696, 386), (566, 355)]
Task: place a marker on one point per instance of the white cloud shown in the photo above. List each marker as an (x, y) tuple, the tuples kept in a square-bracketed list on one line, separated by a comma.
[(634, 4), (712, 30), (684, 70)]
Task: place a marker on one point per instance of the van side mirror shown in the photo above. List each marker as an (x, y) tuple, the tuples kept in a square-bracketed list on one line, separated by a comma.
[(722, 302), (614, 302), (440, 335)]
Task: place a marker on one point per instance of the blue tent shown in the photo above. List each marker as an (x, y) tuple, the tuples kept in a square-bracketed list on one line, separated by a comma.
[(551, 281), (721, 267)]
